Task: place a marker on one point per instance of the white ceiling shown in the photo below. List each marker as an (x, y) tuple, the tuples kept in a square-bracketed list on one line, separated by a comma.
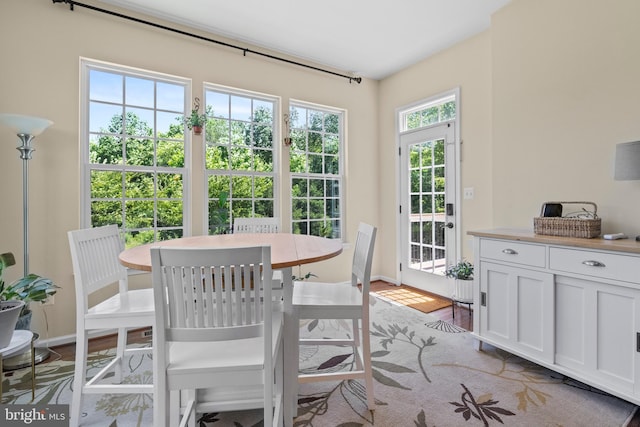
[(369, 38)]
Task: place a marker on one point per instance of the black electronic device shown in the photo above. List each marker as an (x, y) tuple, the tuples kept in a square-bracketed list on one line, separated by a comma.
[(552, 209)]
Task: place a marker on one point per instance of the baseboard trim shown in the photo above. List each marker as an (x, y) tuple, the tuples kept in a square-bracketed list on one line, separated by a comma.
[(71, 339)]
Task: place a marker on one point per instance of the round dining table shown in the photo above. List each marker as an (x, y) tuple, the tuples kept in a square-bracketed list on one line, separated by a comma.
[(287, 250)]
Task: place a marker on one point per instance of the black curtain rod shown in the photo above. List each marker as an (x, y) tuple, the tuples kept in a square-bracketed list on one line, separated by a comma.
[(244, 50)]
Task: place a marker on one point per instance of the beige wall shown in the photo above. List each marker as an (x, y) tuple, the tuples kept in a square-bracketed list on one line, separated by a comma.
[(40, 48), (566, 89)]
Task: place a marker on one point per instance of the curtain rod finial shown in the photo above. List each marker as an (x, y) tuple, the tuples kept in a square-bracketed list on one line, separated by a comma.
[(69, 2)]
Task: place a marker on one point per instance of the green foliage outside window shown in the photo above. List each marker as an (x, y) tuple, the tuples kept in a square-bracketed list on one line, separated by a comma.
[(314, 161), (151, 200)]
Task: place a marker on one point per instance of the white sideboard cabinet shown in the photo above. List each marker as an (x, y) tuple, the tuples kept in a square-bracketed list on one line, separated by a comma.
[(569, 304)]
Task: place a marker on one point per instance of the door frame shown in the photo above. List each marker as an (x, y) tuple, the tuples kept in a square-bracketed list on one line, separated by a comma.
[(457, 141)]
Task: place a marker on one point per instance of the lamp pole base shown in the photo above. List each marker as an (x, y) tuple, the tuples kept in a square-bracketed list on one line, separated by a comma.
[(24, 360)]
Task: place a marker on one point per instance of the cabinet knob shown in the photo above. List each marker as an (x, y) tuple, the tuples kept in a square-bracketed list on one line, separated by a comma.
[(591, 263), (509, 251)]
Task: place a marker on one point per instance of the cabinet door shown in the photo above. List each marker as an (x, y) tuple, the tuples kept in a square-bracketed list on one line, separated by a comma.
[(516, 309), (597, 331)]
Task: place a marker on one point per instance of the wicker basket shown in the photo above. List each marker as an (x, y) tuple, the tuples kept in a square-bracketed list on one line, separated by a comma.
[(569, 227)]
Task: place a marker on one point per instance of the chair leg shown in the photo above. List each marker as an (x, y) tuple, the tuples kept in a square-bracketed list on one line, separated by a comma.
[(366, 355), (173, 409), (190, 415), (120, 349), (79, 379), (278, 414), (161, 396), (358, 356), (295, 357)]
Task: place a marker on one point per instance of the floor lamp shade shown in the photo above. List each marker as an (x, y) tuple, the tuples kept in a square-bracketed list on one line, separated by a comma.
[(25, 124), (627, 166)]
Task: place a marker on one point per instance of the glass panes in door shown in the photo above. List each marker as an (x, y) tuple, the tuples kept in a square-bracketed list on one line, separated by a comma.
[(427, 206)]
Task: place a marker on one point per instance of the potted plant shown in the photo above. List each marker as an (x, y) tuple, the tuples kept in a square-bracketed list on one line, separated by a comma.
[(219, 214), (31, 288), (9, 312), (195, 121), (462, 272)]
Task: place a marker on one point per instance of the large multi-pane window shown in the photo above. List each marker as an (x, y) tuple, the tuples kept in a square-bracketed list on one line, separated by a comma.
[(134, 153), (240, 156), (316, 170)]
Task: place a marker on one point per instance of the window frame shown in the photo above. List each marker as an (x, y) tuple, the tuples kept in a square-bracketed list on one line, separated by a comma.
[(275, 174), (421, 107), (86, 66), (340, 176)]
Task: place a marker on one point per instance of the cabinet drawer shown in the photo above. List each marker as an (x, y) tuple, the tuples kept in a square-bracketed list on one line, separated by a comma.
[(596, 264), (516, 252)]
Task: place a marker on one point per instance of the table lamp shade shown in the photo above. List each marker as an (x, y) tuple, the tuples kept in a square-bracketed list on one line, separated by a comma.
[(25, 124), (627, 166)]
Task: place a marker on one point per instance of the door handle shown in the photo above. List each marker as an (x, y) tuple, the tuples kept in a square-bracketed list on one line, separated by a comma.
[(449, 224)]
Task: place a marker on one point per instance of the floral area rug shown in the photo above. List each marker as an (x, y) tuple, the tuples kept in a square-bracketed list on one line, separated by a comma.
[(426, 373)]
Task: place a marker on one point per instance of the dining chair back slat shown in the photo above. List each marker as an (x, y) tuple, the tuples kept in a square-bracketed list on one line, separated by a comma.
[(256, 225), (96, 257), (212, 297)]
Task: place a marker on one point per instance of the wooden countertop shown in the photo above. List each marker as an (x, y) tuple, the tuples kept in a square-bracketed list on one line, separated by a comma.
[(527, 235)]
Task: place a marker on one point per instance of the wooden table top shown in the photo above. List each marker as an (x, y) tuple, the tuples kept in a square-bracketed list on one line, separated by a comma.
[(287, 250)]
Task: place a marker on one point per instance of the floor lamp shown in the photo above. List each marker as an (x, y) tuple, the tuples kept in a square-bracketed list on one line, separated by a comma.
[(27, 128)]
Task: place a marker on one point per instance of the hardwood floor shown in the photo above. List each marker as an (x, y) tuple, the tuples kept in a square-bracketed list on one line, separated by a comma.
[(463, 312)]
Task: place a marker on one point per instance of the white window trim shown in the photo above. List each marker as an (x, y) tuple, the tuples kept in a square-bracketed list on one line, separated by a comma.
[(87, 64)]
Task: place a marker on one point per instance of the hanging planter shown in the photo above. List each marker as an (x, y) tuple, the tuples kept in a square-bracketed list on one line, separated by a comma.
[(195, 121)]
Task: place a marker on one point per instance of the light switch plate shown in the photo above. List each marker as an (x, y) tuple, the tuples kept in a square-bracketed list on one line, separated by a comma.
[(468, 193)]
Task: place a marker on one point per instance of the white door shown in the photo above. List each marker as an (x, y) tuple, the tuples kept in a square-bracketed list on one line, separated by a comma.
[(428, 194)]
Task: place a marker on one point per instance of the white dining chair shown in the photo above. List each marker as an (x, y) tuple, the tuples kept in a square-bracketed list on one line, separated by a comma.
[(94, 254), (349, 301), (219, 345), (256, 225), (262, 225)]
